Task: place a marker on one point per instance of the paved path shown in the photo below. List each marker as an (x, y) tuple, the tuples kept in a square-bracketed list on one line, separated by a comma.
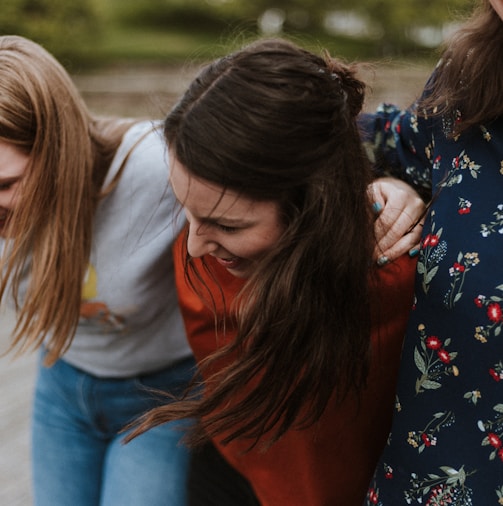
[(16, 385)]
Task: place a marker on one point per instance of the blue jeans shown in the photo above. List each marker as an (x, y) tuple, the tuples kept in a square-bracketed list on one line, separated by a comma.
[(78, 456)]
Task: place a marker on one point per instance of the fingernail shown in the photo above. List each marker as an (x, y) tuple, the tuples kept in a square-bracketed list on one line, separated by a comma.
[(376, 207), (382, 261), (413, 252)]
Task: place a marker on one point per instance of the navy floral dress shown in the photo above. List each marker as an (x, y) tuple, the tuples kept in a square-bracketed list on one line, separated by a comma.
[(446, 442)]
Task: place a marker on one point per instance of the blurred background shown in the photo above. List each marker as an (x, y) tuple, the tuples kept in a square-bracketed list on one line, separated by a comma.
[(97, 32), (135, 57)]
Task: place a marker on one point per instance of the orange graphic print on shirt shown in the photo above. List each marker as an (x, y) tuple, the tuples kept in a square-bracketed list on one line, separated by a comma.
[(93, 312)]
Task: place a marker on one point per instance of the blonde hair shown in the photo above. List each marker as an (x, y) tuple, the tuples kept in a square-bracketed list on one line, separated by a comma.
[(43, 114)]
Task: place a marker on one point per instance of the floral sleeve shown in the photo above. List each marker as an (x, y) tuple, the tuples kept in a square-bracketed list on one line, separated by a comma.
[(399, 143)]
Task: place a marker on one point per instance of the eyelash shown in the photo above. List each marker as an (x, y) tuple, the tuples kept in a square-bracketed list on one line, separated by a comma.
[(228, 230)]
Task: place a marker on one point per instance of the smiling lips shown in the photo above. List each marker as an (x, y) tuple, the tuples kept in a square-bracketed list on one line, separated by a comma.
[(229, 263)]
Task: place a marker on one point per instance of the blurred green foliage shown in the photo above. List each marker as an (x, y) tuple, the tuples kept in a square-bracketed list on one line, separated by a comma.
[(59, 24), (104, 31)]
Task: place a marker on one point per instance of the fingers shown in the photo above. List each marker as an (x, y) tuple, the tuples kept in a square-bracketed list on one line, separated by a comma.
[(394, 243), (398, 224), (406, 245)]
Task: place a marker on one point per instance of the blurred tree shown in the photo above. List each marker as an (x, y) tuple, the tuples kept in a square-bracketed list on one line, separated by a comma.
[(191, 15), (67, 28), (59, 25), (400, 23), (396, 25)]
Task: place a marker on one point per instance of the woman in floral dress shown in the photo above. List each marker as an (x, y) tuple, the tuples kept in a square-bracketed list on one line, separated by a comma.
[(446, 443)]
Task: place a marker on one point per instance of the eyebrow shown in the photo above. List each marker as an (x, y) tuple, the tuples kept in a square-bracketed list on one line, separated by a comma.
[(215, 220)]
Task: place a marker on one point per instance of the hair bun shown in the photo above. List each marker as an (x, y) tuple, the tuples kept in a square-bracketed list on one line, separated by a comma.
[(345, 77)]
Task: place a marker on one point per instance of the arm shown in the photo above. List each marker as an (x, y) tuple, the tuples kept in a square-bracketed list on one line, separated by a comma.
[(399, 144)]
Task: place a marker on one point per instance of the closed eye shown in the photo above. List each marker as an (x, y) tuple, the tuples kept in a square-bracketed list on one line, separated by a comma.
[(8, 183), (226, 229), (6, 186)]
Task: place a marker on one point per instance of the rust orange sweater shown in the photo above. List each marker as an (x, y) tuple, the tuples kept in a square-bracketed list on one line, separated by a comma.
[(331, 462)]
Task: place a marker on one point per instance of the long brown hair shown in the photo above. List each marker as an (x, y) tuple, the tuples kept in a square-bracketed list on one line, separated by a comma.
[(468, 83), (275, 122), (42, 113)]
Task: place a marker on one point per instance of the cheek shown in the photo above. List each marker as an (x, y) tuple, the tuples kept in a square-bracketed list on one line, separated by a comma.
[(273, 232), (7, 199), (15, 199), (261, 243), (10, 199)]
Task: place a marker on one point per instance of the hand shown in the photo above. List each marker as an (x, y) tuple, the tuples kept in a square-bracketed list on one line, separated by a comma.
[(398, 226)]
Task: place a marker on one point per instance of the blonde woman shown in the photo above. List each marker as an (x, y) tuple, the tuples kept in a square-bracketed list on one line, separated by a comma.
[(86, 217)]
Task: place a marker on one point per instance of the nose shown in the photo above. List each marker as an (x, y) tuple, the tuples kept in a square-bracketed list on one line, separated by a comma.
[(199, 242)]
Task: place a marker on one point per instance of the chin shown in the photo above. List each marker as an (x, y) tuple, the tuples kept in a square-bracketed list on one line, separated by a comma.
[(238, 273), (243, 271)]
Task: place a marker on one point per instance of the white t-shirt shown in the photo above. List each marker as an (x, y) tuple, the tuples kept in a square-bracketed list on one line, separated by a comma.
[(130, 320)]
